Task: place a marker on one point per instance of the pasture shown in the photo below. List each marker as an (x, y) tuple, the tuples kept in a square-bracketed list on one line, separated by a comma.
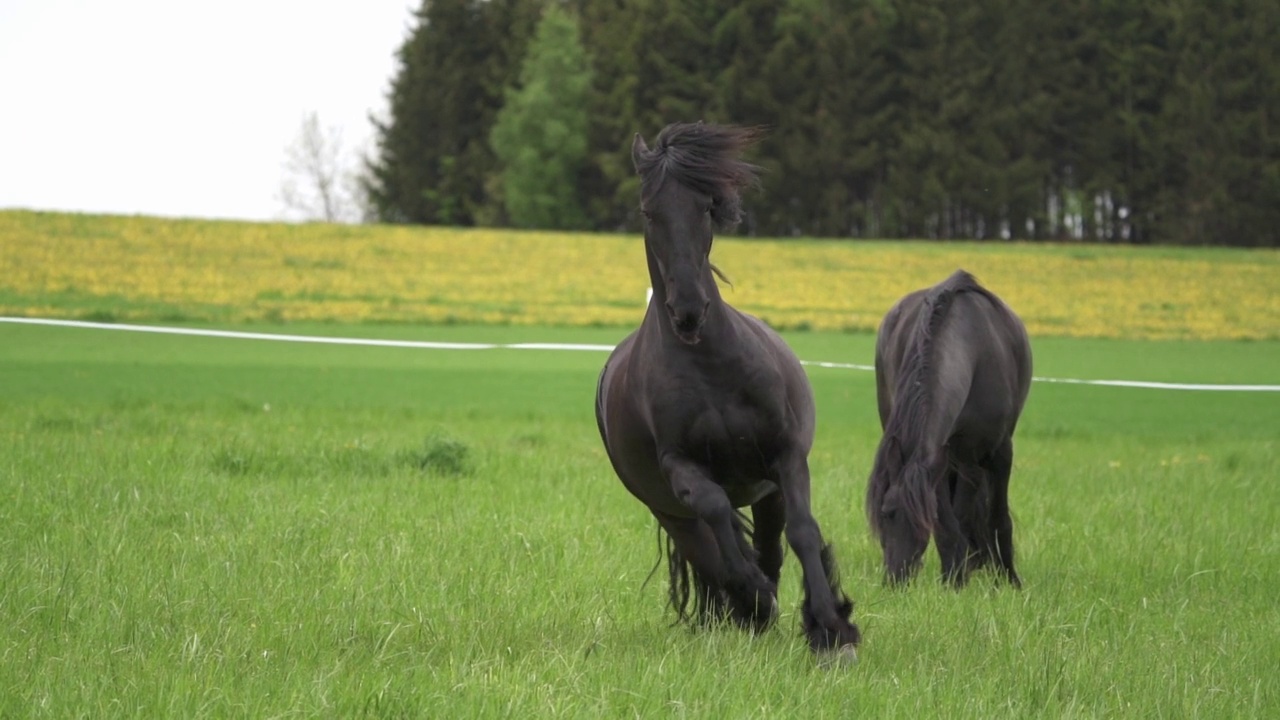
[(202, 527)]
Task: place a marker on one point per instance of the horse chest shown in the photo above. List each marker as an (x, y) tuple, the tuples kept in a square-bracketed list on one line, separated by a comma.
[(737, 445)]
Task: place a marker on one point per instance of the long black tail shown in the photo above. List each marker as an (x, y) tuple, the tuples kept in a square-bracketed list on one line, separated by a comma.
[(710, 600)]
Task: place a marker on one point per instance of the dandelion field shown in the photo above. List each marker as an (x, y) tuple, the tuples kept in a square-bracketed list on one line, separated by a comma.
[(207, 527), (132, 268)]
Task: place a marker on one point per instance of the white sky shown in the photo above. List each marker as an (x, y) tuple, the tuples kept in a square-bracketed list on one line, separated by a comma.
[(165, 107)]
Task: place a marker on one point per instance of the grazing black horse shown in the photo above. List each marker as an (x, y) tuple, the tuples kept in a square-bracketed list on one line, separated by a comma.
[(953, 367), (704, 409)]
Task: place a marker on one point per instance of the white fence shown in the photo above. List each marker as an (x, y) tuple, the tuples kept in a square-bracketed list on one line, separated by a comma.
[(429, 345)]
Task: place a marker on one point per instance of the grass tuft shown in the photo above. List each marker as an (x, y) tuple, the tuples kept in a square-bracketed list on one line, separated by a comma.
[(443, 456)]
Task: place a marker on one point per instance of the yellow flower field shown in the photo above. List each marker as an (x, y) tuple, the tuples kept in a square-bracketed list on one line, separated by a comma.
[(147, 269)]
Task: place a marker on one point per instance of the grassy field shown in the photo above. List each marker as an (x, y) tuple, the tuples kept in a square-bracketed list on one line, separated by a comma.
[(198, 527)]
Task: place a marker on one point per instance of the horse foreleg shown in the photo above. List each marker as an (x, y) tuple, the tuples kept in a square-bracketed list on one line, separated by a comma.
[(826, 609), (1000, 467), (753, 598)]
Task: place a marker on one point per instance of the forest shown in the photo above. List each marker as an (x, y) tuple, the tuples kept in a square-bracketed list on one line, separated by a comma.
[(1115, 121)]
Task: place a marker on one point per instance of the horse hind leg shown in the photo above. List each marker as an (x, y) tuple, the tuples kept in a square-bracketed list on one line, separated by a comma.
[(769, 516), (972, 502), (999, 468), (949, 534)]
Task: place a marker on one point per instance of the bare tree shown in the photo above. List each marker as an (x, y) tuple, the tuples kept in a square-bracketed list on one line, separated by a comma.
[(317, 183)]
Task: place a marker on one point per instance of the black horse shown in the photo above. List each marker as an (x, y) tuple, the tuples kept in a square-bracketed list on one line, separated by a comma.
[(953, 367), (704, 409)]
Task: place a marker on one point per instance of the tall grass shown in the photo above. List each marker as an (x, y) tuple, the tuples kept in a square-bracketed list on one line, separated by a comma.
[(203, 528)]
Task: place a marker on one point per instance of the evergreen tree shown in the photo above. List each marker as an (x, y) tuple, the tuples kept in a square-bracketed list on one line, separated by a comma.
[(656, 64), (1217, 123), (1110, 120), (540, 135), (433, 153), (609, 184), (833, 90)]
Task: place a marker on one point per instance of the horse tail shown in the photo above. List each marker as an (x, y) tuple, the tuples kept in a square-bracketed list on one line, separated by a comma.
[(678, 587), (685, 582)]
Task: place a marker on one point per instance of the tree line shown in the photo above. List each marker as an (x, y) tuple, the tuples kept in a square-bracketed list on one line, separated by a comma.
[(1152, 121)]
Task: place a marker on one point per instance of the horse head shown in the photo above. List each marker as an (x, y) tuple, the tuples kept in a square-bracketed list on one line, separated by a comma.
[(902, 510), (689, 187)]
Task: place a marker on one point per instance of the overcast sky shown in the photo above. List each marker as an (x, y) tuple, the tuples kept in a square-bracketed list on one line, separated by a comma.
[(164, 107)]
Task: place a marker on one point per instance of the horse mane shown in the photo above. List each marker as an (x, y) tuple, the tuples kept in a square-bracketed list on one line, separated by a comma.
[(703, 158), (903, 433)]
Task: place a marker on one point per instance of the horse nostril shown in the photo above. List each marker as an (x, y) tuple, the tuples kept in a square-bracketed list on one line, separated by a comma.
[(684, 320)]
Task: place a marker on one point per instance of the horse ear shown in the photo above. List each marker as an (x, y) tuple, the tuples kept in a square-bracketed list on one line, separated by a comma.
[(637, 148)]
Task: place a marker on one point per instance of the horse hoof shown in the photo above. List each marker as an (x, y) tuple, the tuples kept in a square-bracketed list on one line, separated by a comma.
[(760, 624), (841, 657)]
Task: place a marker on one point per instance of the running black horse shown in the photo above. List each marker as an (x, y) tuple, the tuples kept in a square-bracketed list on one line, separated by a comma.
[(704, 409), (953, 367)]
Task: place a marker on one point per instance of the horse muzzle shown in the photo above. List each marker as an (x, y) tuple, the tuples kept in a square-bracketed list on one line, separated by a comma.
[(687, 323)]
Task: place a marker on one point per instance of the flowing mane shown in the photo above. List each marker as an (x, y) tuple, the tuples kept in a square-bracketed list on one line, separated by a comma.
[(703, 158)]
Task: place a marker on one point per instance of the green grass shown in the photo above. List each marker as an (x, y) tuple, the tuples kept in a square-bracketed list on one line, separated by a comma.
[(201, 527)]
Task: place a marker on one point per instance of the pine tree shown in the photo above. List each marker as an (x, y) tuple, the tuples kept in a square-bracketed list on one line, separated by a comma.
[(433, 154), (1217, 125)]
